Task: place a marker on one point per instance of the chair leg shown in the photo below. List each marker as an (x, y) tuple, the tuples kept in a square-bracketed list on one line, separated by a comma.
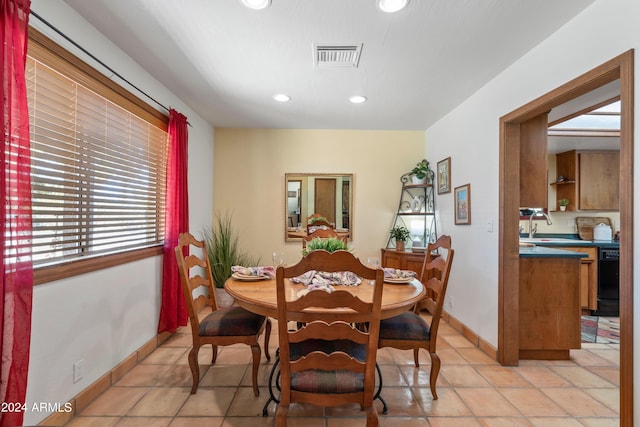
[(281, 415), (435, 370), (214, 354), (267, 334), (415, 357), (255, 350), (195, 369), (372, 417)]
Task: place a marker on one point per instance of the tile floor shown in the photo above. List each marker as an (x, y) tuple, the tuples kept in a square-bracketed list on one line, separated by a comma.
[(473, 389)]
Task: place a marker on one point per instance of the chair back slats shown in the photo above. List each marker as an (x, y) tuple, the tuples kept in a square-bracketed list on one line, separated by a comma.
[(430, 305), (328, 343), (334, 361)]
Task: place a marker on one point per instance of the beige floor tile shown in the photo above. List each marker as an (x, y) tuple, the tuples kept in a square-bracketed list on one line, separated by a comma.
[(600, 422), (578, 403), (610, 374), (197, 422), (392, 376), (116, 401), (555, 422), (454, 422), (504, 422), (264, 371), (476, 356), (246, 404), (93, 422), (179, 376), (144, 422), (400, 402), (463, 376), (542, 376), (235, 355), (143, 375), (447, 405), (608, 396), (389, 421), (224, 375), (610, 354), (502, 376), (358, 421), (161, 402), (580, 377), (248, 422), (591, 358), (531, 402), (458, 341), (179, 340), (486, 402), (208, 402), (165, 356), (449, 356), (419, 377), (305, 422)]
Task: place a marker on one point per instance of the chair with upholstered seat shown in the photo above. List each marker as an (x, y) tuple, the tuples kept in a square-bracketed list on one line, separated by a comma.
[(328, 361), (224, 325), (410, 331)]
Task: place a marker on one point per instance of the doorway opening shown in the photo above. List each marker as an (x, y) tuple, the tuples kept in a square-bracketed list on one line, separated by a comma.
[(620, 68)]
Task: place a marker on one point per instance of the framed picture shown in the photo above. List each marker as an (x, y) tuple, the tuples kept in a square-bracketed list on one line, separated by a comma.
[(444, 176), (462, 204)]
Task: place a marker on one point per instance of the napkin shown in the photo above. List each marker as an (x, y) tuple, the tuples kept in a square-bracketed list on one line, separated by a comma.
[(394, 273), (268, 271), (323, 278)]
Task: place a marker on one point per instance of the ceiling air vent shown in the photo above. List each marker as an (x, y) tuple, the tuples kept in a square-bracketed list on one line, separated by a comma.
[(331, 56)]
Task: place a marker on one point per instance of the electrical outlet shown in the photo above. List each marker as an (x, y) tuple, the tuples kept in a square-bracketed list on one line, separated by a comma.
[(450, 303), (77, 371), (571, 223), (490, 225)]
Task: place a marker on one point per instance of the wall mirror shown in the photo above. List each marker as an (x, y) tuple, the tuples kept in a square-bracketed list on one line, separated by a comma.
[(330, 195)]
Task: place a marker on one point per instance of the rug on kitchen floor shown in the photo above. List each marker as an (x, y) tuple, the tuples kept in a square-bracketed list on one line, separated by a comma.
[(602, 330)]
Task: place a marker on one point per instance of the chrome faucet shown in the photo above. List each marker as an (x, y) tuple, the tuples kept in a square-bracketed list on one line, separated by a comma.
[(534, 229)]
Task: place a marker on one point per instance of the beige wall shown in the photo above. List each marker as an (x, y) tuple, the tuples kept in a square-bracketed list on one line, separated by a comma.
[(249, 168)]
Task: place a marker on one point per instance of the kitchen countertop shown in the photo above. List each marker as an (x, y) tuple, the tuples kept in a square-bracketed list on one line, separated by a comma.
[(534, 251), (543, 245)]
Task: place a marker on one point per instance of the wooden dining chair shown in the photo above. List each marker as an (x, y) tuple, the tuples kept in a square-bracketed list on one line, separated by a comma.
[(328, 361), (409, 330), (224, 325)]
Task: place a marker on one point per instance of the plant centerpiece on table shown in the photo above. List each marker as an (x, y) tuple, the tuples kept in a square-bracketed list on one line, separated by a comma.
[(400, 234), (317, 218), (420, 172), (223, 249), (329, 244), (563, 204)]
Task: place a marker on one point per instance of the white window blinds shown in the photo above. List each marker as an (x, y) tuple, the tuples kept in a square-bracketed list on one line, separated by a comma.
[(98, 171)]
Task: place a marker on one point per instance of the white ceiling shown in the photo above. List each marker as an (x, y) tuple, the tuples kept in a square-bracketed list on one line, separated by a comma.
[(226, 61)]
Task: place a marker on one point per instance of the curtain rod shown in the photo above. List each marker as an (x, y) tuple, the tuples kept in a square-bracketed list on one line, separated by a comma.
[(48, 24)]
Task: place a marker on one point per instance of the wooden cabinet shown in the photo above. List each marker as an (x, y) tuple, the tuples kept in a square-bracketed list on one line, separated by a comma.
[(403, 260), (591, 180), (533, 162), (549, 313), (588, 277)]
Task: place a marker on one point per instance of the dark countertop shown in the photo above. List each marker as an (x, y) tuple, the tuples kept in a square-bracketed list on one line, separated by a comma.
[(546, 252), (545, 248)]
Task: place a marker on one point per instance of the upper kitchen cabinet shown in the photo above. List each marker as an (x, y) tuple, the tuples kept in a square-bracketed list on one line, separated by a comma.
[(589, 179), (533, 162)]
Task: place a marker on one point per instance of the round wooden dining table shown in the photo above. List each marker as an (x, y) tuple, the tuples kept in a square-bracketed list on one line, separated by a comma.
[(260, 297)]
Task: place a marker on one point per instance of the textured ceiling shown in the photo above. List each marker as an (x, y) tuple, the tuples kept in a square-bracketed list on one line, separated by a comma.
[(226, 61)]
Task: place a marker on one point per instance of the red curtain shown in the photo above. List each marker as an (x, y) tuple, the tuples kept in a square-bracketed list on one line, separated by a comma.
[(173, 312), (16, 281)]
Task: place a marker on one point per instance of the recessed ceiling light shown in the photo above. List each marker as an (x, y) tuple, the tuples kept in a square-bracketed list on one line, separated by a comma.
[(281, 97), (357, 99), (257, 4), (391, 6)]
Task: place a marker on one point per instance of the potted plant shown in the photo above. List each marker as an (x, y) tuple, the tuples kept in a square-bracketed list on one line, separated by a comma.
[(420, 172), (400, 234), (329, 244), (316, 219), (563, 204)]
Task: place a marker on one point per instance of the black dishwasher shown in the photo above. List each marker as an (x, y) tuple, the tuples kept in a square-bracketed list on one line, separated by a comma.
[(608, 283)]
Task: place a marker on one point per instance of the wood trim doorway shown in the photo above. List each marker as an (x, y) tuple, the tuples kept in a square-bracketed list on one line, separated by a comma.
[(620, 67)]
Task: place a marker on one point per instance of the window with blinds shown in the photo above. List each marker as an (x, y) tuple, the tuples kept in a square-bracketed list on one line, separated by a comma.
[(97, 169)]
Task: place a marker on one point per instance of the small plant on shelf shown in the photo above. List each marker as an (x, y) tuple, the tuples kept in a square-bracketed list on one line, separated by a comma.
[(421, 170), (563, 204), (400, 234)]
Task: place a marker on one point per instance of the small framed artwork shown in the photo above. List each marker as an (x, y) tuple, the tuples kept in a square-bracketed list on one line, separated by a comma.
[(444, 176), (462, 204)]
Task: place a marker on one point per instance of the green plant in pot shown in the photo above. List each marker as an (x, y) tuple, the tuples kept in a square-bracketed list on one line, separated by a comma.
[(563, 204), (400, 234), (329, 244), (317, 218), (421, 171), (223, 249)]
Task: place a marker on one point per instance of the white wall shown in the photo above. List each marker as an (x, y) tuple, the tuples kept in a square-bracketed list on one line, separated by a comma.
[(469, 134), (102, 317)]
